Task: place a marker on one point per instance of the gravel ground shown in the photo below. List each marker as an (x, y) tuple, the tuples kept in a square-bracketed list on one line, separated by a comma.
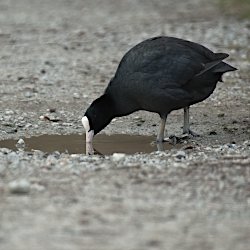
[(59, 55)]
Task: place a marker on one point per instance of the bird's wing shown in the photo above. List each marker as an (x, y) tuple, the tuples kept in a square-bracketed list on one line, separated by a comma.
[(165, 71), (166, 60)]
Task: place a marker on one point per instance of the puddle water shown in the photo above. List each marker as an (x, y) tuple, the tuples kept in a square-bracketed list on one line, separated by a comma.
[(103, 144)]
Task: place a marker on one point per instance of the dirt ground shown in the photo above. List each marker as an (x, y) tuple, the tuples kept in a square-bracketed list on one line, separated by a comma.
[(60, 55)]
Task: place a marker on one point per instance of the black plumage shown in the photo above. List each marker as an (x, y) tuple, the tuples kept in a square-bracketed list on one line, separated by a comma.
[(159, 75)]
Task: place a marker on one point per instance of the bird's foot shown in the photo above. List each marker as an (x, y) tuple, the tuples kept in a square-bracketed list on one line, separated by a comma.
[(159, 141), (191, 133), (173, 139)]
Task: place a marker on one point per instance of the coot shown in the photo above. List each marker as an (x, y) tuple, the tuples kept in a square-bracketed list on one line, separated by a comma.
[(159, 75)]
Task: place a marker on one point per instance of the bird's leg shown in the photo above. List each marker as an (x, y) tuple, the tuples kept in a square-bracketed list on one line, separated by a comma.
[(186, 125), (160, 136)]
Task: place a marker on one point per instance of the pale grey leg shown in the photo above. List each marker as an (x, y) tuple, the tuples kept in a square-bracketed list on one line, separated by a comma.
[(160, 136), (186, 125)]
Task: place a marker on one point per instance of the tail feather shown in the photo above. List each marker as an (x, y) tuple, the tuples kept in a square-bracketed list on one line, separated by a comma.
[(208, 66), (223, 68), (220, 56), (216, 67)]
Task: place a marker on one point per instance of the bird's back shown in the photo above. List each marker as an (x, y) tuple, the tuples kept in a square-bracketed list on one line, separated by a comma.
[(157, 74)]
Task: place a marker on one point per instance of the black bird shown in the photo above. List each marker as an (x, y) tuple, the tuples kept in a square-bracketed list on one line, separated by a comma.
[(159, 75)]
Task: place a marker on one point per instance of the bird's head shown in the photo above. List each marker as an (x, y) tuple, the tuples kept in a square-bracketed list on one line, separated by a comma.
[(98, 116)]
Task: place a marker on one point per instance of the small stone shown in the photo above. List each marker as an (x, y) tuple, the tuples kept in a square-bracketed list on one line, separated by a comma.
[(76, 95), (212, 133), (9, 112), (19, 187), (20, 144), (118, 156), (28, 125), (67, 124), (20, 118), (43, 117), (5, 150), (180, 155), (221, 115), (19, 78), (47, 118), (51, 110), (208, 148), (232, 145), (48, 63), (188, 147), (20, 125), (21, 141), (28, 94)]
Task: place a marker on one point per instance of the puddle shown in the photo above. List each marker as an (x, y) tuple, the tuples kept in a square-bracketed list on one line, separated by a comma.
[(103, 144)]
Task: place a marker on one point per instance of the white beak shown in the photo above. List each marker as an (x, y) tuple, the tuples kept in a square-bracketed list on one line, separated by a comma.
[(89, 135)]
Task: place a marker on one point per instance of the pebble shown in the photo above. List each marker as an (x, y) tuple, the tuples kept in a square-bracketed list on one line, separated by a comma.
[(19, 187), (118, 156), (76, 95), (5, 150), (180, 155), (9, 112), (19, 78), (221, 115), (212, 132), (42, 117), (20, 142), (28, 94), (67, 124), (28, 125), (21, 125), (51, 110)]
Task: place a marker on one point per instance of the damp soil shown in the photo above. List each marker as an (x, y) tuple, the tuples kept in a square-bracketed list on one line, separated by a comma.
[(75, 144)]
